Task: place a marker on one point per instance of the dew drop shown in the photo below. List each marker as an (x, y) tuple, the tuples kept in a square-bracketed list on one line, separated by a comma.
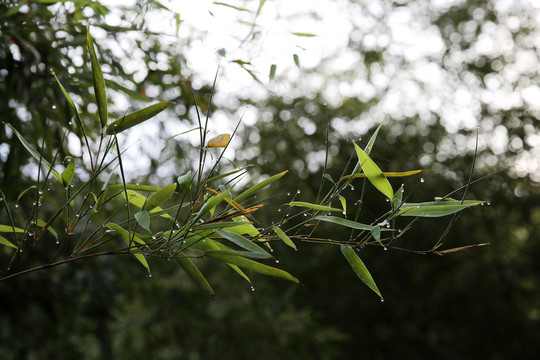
[(34, 203), (70, 123), (298, 191), (149, 275), (288, 194), (488, 203), (385, 248), (344, 213), (271, 250), (76, 215), (16, 205), (20, 250), (53, 107), (305, 214), (277, 261), (352, 187), (57, 242), (422, 180), (154, 237), (382, 300), (30, 234), (252, 288), (31, 222), (279, 210), (40, 192)]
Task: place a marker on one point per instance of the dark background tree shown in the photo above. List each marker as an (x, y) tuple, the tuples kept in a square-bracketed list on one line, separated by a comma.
[(478, 303)]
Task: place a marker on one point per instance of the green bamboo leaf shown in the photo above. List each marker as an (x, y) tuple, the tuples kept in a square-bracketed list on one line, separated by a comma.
[(436, 208), (211, 204), (284, 237), (343, 203), (376, 232), (195, 274), (6, 242), (160, 197), (221, 176), (218, 226), (10, 229), (343, 222), (35, 153), (373, 173), (25, 191), (99, 83), (241, 253), (327, 175), (272, 71), (259, 186), (134, 249), (42, 223), (359, 268), (398, 197), (296, 60), (313, 206), (143, 219), (67, 174), (243, 243), (254, 266), (71, 104), (303, 34), (185, 180), (138, 200), (367, 150), (230, 6), (136, 118)]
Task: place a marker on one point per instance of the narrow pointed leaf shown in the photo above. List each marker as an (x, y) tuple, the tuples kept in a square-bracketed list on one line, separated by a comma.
[(313, 206), (99, 83), (303, 34), (243, 243), (6, 242), (373, 173), (136, 118), (195, 274), (296, 60), (284, 237), (344, 222), (367, 150), (67, 174), (387, 174), (398, 196), (126, 236), (42, 223), (70, 104), (376, 232), (10, 229), (138, 200), (241, 253), (35, 153), (272, 71), (259, 186), (359, 268), (436, 208), (210, 205), (254, 266), (343, 203), (135, 187), (160, 197), (25, 191), (143, 219)]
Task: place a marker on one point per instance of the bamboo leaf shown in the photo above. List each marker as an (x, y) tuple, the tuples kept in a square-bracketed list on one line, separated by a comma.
[(42, 223), (195, 274), (303, 34), (6, 242), (71, 104), (143, 219), (373, 173), (436, 208), (126, 236), (359, 268), (67, 174), (243, 243), (99, 83), (210, 205), (343, 203), (25, 191), (284, 237), (35, 153), (387, 174), (138, 200), (313, 206), (185, 180), (272, 71), (296, 60), (136, 118), (260, 185), (160, 197), (254, 266), (219, 141), (134, 187), (343, 222), (10, 229), (398, 198), (241, 253)]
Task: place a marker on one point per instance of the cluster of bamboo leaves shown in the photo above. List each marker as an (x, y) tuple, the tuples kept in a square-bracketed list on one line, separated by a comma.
[(195, 218)]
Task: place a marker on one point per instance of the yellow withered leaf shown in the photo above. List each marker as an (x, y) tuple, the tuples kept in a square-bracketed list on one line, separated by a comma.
[(219, 141)]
